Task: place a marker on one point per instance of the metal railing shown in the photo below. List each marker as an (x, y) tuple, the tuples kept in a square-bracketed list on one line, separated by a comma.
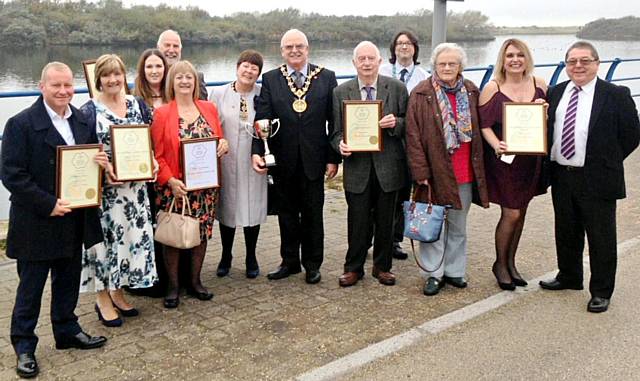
[(488, 72)]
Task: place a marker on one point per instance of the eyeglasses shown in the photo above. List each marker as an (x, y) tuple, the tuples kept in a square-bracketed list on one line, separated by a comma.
[(583, 61), (297, 47), (452, 65), (404, 43)]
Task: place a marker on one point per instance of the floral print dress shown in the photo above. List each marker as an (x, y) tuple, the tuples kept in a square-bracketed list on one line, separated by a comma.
[(126, 257), (202, 202)]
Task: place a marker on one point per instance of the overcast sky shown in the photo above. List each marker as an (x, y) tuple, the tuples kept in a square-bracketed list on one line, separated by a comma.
[(500, 12)]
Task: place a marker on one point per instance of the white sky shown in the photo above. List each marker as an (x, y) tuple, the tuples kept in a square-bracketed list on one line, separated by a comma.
[(500, 12)]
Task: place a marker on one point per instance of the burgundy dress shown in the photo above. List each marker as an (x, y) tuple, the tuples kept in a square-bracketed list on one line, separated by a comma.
[(509, 185)]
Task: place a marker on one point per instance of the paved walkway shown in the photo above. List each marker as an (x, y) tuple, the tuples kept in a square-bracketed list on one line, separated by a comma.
[(274, 330)]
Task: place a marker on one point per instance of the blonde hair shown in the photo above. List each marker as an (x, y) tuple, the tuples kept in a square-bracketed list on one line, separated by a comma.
[(107, 64), (182, 67), (499, 73), (55, 65)]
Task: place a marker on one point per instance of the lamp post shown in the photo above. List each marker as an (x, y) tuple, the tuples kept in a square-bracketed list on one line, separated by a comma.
[(439, 31)]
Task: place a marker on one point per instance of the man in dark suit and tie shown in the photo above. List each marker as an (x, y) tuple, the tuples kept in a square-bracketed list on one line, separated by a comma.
[(44, 233), (593, 127), (299, 95), (371, 179)]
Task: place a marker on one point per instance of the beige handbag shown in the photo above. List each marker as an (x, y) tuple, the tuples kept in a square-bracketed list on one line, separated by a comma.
[(176, 229)]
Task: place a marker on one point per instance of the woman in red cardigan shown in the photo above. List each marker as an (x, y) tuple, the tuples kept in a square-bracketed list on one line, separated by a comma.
[(185, 117)]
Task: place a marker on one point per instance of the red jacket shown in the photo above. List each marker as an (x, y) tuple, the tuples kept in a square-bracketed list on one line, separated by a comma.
[(166, 137)]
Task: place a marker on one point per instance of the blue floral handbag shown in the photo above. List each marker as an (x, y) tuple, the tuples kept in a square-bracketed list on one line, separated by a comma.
[(423, 221)]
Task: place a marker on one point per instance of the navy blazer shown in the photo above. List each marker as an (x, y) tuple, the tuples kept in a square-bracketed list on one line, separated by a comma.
[(303, 136), (614, 132), (28, 171)]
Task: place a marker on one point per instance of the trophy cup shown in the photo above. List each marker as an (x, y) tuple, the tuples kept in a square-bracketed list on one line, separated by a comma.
[(265, 129)]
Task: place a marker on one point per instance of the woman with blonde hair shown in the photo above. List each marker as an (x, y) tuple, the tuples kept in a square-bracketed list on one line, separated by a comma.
[(511, 184), (126, 257), (185, 117)]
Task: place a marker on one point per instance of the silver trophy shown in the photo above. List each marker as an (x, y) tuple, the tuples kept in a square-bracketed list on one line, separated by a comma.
[(264, 129)]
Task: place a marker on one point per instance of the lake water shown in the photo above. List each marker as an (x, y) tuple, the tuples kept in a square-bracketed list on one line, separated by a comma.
[(20, 69)]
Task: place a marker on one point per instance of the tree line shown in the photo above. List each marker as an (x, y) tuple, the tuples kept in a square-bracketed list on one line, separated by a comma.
[(108, 22), (625, 28)]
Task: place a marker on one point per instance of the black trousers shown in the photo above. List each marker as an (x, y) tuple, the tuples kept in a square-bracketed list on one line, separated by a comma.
[(300, 216), (578, 211), (65, 287), (371, 207)]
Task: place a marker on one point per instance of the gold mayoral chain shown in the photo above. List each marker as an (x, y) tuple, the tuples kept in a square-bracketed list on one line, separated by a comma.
[(300, 105)]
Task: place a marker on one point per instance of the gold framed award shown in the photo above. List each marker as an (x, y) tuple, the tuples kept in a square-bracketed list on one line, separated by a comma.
[(200, 163), (78, 176), (524, 128), (89, 70), (360, 122), (131, 152)]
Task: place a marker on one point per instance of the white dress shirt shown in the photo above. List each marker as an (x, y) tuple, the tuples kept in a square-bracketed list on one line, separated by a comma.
[(415, 74), (583, 116), (61, 124), (363, 92)]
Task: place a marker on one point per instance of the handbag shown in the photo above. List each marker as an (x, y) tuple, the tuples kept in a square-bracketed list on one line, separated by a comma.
[(177, 229), (423, 222)]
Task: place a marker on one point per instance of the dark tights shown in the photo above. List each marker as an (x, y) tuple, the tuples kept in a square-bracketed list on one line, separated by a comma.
[(227, 234), (172, 263), (508, 234)]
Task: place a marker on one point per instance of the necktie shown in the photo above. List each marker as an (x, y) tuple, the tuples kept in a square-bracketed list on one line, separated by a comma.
[(369, 91), (403, 72), (298, 78), (568, 145)]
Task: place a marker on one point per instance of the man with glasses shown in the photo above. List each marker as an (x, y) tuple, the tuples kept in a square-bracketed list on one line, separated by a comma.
[(371, 179), (404, 66), (299, 95), (593, 127)]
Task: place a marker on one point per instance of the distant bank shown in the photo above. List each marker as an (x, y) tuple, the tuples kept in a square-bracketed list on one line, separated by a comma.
[(506, 30)]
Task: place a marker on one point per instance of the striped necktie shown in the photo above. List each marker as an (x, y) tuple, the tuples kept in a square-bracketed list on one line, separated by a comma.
[(568, 145), (369, 90)]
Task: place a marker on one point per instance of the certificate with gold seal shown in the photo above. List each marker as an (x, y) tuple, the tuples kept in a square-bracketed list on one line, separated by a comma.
[(131, 152), (360, 121), (524, 128), (78, 177), (200, 164)]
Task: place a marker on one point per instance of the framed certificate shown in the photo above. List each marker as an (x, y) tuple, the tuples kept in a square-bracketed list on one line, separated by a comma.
[(524, 128), (78, 177), (362, 132), (131, 152), (89, 70), (200, 164)]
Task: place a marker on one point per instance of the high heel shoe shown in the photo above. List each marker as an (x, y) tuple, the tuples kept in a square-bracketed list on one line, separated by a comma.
[(504, 286), (117, 322), (127, 313), (517, 280)]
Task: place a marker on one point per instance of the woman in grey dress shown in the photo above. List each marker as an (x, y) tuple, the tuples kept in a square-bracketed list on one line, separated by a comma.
[(243, 196)]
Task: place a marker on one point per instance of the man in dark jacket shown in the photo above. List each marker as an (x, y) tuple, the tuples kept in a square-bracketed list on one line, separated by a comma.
[(44, 233)]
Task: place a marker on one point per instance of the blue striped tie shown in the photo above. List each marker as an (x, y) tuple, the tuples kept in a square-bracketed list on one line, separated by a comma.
[(568, 146)]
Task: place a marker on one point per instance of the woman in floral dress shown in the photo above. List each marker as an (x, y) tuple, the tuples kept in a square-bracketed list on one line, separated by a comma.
[(185, 117), (126, 257)]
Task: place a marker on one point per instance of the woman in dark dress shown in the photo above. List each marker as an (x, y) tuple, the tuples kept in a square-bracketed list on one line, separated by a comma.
[(512, 184)]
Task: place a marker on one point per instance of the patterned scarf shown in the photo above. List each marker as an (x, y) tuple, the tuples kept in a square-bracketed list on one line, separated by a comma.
[(455, 132)]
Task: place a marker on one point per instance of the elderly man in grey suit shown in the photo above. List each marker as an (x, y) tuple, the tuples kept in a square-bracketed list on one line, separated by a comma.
[(371, 179)]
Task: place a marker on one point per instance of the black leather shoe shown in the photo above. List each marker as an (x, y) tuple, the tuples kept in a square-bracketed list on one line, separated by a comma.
[(171, 302), (282, 272), (458, 282), (82, 341), (555, 285), (432, 286), (222, 272), (200, 295), (312, 276), (598, 304), (398, 253), (252, 273), (27, 366)]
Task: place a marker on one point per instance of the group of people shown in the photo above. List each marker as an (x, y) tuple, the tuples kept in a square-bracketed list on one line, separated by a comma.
[(441, 136)]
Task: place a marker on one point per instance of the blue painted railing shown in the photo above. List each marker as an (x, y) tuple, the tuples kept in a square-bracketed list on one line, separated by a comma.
[(488, 71)]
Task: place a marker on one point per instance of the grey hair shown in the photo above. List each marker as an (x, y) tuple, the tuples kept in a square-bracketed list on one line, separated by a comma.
[(293, 31), (362, 44), (448, 46), (55, 65), (163, 35)]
